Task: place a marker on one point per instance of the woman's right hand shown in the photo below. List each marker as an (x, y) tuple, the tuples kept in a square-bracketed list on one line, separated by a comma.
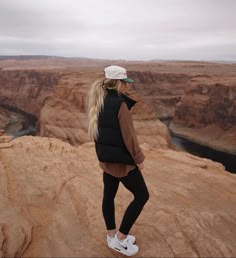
[(141, 165)]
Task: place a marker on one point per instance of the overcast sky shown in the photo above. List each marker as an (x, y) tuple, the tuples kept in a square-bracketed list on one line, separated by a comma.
[(120, 29)]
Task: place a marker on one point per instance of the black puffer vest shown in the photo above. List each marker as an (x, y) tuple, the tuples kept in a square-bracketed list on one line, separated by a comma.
[(110, 146)]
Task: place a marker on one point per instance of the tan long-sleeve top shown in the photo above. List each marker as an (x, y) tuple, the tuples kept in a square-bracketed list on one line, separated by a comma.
[(131, 142)]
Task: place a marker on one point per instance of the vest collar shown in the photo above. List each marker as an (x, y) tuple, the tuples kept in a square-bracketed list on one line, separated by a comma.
[(130, 102)]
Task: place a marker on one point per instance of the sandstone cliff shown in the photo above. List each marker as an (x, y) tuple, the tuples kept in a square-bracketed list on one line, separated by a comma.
[(207, 114), (26, 89), (56, 90), (162, 91), (64, 113), (58, 100), (51, 192)]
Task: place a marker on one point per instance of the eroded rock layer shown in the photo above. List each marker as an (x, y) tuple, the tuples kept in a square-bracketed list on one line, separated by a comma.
[(207, 114), (26, 89), (56, 91), (160, 90), (64, 114)]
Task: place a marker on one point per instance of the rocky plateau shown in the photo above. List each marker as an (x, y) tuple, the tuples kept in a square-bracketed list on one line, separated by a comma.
[(51, 192)]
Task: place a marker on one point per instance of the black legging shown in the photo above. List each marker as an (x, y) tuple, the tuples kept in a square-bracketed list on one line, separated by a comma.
[(135, 183)]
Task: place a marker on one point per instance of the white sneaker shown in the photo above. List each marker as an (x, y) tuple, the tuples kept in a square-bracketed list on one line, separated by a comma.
[(123, 246), (131, 239)]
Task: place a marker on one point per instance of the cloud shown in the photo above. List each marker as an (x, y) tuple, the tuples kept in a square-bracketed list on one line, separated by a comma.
[(124, 29)]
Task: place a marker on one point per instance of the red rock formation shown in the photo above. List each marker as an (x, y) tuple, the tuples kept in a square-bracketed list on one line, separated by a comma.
[(26, 90), (64, 113), (160, 90), (50, 202), (207, 114), (58, 98)]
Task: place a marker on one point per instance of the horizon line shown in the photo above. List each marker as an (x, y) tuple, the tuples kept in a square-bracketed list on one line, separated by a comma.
[(2, 57)]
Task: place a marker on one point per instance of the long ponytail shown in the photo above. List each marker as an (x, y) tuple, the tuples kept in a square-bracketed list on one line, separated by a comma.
[(95, 101)]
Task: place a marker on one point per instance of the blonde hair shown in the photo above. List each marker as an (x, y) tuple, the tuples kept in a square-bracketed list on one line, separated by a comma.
[(95, 102)]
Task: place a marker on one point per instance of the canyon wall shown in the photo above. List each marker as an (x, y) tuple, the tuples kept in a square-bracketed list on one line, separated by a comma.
[(26, 89), (64, 113), (200, 97), (162, 91), (207, 114), (59, 100), (202, 105)]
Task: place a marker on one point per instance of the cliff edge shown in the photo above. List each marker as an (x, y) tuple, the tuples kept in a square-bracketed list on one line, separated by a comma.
[(51, 193)]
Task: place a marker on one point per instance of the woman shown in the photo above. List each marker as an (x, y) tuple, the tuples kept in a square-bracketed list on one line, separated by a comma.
[(121, 158)]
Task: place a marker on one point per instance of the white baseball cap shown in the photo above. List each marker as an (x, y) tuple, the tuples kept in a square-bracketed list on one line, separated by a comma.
[(117, 72)]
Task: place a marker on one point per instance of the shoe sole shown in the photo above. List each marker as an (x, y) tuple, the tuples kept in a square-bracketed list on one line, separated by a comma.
[(120, 251)]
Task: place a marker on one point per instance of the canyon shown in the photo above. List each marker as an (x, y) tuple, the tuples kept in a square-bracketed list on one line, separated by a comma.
[(51, 183), (26, 90), (198, 98), (207, 114)]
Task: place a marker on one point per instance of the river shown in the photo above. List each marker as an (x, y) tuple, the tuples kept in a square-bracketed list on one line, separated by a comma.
[(22, 123), (228, 160)]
